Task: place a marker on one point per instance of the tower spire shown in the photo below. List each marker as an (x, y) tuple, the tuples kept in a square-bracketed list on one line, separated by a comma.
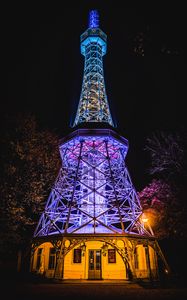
[(93, 19), (93, 104)]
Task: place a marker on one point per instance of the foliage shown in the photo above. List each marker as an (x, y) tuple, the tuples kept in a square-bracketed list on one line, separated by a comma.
[(167, 153), (165, 195), (29, 165), (163, 208)]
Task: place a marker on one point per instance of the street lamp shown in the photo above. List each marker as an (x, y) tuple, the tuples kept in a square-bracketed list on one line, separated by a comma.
[(145, 222), (145, 219)]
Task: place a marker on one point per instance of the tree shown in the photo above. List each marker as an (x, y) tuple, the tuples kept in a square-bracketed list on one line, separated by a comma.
[(165, 195), (163, 210), (167, 153), (29, 165)]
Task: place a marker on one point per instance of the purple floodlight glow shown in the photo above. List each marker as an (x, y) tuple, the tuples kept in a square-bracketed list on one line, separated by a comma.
[(93, 192)]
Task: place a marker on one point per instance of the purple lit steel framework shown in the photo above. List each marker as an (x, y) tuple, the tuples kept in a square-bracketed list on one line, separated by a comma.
[(93, 192)]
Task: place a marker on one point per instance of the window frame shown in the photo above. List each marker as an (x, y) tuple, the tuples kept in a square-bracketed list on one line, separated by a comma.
[(77, 256), (39, 258), (52, 258), (112, 256), (136, 258)]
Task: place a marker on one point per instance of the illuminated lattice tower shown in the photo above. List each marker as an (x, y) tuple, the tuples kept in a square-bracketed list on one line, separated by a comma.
[(93, 192), (93, 104), (93, 205)]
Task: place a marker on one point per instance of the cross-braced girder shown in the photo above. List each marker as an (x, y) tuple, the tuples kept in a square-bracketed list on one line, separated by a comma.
[(93, 104), (93, 192)]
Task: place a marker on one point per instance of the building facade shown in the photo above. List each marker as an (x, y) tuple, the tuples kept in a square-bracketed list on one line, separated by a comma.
[(92, 226)]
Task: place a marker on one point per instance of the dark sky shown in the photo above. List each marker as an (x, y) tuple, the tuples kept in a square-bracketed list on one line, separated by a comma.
[(144, 66)]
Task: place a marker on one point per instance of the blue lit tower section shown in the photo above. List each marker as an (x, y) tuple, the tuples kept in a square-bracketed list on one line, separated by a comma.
[(93, 104), (93, 193)]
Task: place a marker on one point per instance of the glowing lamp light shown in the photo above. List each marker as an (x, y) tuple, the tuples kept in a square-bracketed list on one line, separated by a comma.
[(144, 218)]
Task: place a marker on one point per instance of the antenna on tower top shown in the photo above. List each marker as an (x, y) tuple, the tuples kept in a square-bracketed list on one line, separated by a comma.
[(93, 19)]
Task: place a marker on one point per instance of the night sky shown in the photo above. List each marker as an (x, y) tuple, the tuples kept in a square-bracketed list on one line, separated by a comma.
[(144, 66)]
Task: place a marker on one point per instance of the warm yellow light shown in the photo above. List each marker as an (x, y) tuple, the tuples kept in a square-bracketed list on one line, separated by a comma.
[(144, 218), (148, 219)]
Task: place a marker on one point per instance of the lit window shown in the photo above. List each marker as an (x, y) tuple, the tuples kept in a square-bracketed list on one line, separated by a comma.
[(136, 258), (52, 258), (39, 258), (77, 256), (111, 256)]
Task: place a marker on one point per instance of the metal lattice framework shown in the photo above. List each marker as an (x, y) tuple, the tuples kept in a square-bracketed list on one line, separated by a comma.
[(93, 192), (93, 104)]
